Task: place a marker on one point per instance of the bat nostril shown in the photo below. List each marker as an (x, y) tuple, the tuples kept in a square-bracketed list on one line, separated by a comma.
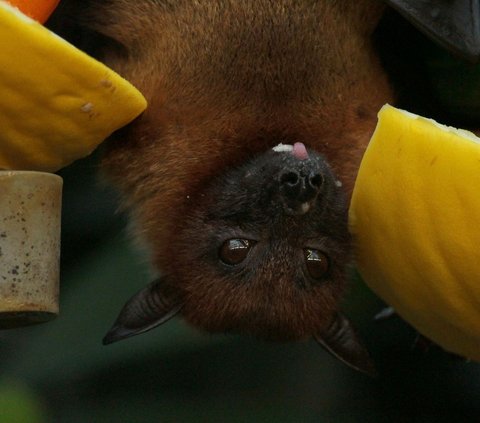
[(289, 178), (316, 181)]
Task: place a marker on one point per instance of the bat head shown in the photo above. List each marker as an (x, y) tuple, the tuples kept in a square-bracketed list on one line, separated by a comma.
[(262, 251)]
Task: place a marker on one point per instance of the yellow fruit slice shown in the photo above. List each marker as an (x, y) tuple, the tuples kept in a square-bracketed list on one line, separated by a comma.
[(415, 218), (56, 103)]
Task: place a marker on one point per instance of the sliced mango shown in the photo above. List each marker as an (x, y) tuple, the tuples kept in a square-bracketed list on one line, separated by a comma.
[(57, 103), (415, 218)]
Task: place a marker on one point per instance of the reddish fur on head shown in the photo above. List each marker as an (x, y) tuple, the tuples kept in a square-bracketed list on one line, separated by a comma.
[(226, 80)]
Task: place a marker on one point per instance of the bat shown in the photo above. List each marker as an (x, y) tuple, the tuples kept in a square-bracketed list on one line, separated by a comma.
[(238, 176)]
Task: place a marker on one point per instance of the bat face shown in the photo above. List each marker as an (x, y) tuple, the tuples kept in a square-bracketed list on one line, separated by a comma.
[(263, 251), (247, 239)]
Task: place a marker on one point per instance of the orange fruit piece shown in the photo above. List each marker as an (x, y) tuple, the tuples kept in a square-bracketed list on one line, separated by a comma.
[(39, 10)]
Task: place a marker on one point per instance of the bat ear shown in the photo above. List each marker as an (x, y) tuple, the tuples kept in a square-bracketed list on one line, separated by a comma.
[(341, 340), (147, 309), (455, 25)]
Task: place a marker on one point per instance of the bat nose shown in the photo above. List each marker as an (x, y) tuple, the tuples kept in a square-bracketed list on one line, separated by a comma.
[(299, 189)]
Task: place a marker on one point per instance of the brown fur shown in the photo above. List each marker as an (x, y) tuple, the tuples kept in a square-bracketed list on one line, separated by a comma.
[(226, 80), (314, 78)]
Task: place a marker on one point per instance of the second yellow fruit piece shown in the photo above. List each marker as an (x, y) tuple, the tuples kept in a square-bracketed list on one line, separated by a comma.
[(415, 218)]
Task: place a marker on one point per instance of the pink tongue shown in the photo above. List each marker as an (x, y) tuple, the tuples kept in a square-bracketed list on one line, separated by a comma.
[(299, 151)]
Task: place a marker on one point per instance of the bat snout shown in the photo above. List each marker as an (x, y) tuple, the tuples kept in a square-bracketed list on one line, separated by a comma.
[(299, 188)]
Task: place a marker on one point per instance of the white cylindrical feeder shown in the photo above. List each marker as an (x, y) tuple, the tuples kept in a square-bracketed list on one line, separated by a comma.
[(30, 216)]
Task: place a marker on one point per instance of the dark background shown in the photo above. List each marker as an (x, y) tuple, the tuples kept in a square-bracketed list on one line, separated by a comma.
[(60, 372)]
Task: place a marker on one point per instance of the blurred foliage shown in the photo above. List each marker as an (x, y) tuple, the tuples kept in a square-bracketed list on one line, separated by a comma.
[(19, 405), (60, 372)]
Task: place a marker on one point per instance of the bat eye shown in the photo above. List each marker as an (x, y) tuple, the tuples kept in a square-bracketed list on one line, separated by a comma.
[(317, 263), (234, 251)]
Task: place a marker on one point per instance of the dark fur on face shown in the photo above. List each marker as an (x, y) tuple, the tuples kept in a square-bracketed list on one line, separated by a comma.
[(226, 81), (270, 293)]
